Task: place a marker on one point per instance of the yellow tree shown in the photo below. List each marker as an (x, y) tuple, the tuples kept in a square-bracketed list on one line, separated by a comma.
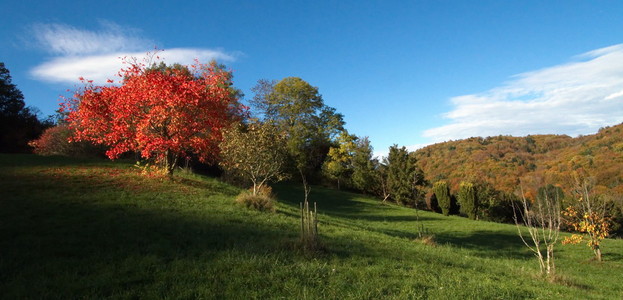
[(338, 164), (587, 215)]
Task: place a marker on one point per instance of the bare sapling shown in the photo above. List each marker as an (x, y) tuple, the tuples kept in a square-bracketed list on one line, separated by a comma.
[(309, 226), (542, 219)]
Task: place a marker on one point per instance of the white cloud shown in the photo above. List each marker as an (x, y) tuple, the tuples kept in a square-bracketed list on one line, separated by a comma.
[(99, 68), (98, 55), (573, 98), (62, 39)]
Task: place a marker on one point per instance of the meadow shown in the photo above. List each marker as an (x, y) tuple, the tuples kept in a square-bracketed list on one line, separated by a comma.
[(86, 228)]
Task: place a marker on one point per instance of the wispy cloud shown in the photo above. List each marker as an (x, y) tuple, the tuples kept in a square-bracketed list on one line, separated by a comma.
[(97, 55), (62, 39), (100, 68), (572, 98)]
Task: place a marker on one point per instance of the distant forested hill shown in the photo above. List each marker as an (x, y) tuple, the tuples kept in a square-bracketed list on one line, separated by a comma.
[(503, 161)]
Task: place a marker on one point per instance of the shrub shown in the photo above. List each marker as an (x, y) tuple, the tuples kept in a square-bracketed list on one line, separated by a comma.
[(264, 190), (258, 202), (428, 240), (425, 236), (55, 141), (494, 205)]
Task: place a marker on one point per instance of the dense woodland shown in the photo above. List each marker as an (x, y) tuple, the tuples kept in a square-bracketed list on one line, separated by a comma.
[(193, 116), (503, 161), (506, 163)]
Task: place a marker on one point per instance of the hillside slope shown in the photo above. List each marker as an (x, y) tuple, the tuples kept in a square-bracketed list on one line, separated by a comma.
[(505, 160), (96, 229)]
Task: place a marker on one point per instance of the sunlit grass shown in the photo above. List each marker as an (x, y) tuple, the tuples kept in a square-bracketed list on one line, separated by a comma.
[(99, 229)]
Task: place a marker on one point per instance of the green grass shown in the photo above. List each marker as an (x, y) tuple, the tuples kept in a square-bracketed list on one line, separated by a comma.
[(98, 229)]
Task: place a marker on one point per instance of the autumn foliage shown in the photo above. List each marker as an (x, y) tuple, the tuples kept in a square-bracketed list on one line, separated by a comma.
[(595, 227), (54, 141), (588, 216), (501, 162), (159, 112)]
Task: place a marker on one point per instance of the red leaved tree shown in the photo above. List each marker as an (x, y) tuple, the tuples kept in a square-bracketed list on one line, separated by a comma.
[(161, 112)]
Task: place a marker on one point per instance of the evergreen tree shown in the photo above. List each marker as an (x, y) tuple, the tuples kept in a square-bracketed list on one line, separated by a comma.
[(442, 192), (468, 199), (18, 123)]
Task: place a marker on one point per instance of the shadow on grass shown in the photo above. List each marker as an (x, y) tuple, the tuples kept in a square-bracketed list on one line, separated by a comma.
[(42, 230), (329, 200), (208, 184), (489, 244), (381, 218), (80, 228), (13, 160), (612, 256), (345, 210), (49, 232), (341, 204)]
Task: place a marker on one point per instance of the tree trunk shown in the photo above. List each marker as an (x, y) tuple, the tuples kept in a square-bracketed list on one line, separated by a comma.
[(170, 161), (541, 261), (255, 188), (597, 253), (551, 267), (305, 185), (385, 196)]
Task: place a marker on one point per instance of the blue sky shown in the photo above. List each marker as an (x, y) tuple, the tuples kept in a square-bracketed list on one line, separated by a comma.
[(404, 72)]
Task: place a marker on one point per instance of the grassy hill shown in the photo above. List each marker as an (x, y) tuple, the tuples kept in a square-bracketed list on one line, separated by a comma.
[(98, 229)]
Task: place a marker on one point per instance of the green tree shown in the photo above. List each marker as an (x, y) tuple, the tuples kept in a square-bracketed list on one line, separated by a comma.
[(403, 175), (381, 179), (494, 205), (18, 123), (363, 177), (255, 152), (468, 199), (297, 108), (350, 163), (442, 192)]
